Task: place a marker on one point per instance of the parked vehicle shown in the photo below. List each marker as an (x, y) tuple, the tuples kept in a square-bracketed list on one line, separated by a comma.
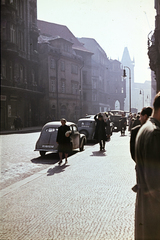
[(47, 139), (116, 123), (87, 126)]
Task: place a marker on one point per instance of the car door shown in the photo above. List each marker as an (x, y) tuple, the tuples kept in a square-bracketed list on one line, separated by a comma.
[(75, 136)]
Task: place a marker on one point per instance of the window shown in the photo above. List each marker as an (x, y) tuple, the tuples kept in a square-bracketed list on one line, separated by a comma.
[(21, 40), (84, 77), (33, 78), (63, 86), (74, 87), (12, 34), (10, 70), (94, 97), (62, 66), (51, 129), (122, 90), (66, 48), (3, 66), (74, 128), (94, 84), (20, 8), (53, 63), (74, 69), (53, 86)]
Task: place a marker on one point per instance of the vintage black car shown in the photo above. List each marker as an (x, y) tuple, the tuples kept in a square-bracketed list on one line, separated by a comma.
[(47, 139)]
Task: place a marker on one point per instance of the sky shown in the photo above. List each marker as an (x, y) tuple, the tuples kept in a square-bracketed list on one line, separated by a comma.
[(114, 24)]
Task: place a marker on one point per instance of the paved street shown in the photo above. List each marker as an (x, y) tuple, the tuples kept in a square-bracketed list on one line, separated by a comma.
[(90, 198), (18, 158)]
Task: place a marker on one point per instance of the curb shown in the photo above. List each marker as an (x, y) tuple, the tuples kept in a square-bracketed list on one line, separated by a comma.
[(25, 130)]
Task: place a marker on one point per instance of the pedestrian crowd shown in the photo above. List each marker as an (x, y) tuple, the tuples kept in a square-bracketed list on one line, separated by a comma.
[(145, 151)]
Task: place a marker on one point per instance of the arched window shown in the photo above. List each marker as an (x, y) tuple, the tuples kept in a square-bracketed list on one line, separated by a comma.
[(117, 105)]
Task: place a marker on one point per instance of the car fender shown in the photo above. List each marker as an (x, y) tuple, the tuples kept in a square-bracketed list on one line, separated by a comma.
[(83, 139)]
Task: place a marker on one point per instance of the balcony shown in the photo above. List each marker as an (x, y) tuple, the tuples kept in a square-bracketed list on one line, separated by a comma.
[(9, 47), (21, 86)]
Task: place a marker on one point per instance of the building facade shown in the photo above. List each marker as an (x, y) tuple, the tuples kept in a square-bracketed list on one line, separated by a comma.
[(68, 82), (108, 85), (20, 86), (154, 47), (60, 70)]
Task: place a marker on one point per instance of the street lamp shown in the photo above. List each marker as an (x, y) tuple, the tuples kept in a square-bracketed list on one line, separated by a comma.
[(124, 75), (80, 89)]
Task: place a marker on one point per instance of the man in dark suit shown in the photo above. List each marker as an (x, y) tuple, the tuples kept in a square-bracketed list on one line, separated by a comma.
[(144, 115), (147, 158)]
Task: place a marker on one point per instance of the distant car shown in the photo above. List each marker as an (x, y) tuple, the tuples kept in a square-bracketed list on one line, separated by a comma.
[(116, 123), (87, 126), (47, 139)]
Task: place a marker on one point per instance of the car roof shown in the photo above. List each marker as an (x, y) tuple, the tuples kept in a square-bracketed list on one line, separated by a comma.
[(57, 124), (86, 119)]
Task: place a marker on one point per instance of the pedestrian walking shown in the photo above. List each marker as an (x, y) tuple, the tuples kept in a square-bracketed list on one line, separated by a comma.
[(136, 121), (19, 123), (100, 133), (63, 140), (131, 120), (108, 127), (147, 157), (123, 124)]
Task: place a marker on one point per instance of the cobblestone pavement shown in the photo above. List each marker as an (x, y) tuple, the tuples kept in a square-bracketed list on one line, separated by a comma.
[(90, 198)]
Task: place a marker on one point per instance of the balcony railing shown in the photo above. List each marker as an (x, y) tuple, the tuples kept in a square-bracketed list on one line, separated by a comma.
[(22, 85)]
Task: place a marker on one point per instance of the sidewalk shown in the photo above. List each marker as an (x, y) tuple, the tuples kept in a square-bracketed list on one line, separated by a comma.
[(90, 198), (23, 130)]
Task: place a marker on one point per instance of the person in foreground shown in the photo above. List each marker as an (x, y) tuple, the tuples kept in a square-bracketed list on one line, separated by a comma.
[(144, 115), (63, 140), (147, 157)]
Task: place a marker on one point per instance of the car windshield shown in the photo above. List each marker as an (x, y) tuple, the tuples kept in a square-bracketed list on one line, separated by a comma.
[(51, 129), (84, 123)]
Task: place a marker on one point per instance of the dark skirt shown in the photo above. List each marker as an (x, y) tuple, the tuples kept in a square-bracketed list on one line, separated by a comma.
[(65, 147)]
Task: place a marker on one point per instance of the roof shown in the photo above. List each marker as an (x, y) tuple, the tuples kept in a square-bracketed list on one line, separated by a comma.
[(56, 123), (56, 30), (46, 39), (91, 44)]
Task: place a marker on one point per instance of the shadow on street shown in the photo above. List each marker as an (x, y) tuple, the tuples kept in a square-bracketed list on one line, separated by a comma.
[(98, 153), (50, 158), (56, 169)]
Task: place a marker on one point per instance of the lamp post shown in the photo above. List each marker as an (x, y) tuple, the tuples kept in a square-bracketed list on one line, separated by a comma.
[(80, 89), (124, 75)]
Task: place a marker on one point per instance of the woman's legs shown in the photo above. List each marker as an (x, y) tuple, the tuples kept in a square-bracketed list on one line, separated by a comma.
[(102, 146), (66, 155), (60, 156)]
